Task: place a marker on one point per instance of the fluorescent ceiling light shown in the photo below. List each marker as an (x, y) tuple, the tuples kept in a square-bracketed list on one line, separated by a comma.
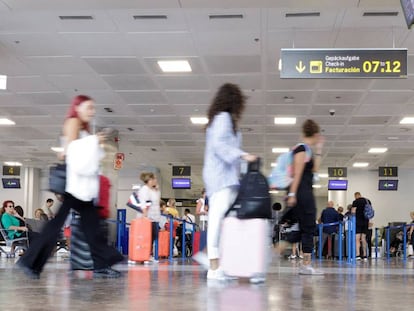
[(316, 186), (274, 164), (407, 120), (280, 150), (174, 65), (3, 82), (57, 149), (284, 121), (4, 121), (377, 150), (323, 175), (273, 191), (360, 164), (13, 163), (199, 120)]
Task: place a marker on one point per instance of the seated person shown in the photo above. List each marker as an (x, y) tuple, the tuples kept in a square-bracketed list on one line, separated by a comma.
[(20, 212), (38, 214), (396, 243), (10, 222)]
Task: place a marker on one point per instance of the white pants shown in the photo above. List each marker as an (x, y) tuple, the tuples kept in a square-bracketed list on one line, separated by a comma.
[(219, 203)]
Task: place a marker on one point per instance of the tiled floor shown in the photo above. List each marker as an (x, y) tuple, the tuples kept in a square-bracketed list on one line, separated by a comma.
[(376, 285)]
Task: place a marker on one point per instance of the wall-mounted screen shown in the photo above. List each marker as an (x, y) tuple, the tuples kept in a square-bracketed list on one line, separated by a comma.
[(181, 183), (388, 185), (11, 183), (338, 184)]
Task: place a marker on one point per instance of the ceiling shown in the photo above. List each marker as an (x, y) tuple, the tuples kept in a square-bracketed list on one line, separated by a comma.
[(112, 57)]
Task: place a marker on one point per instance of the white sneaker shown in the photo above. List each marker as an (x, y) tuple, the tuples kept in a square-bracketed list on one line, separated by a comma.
[(257, 279), (202, 259), (292, 257), (217, 275), (151, 261), (309, 270)]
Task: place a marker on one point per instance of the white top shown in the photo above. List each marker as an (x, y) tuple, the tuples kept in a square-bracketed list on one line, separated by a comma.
[(203, 212), (150, 197), (189, 218), (82, 167)]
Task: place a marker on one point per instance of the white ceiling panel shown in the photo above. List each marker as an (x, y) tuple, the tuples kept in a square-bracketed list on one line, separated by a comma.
[(345, 84), (162, 44), (276, 18), (273, 82), (194, 98), (200, 21), (388, 97), (22, 111), (96, 44), (233, 64), (338, 97), (136, 97), (324, 110), (246, 82), (394, 84), (57, 64), (385, 110), (29, 84), (287, 110), (129, 82), (124, 19), (115, 65), (228, 43), (198, 110), (80, 81), (178, 82), (290, 97), (152, 110)]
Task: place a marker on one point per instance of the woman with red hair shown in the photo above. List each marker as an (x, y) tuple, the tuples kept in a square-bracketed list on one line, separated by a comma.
[(82, 153)]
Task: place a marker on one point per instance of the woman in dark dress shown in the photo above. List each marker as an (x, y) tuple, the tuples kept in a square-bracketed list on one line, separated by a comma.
[(305, 163)]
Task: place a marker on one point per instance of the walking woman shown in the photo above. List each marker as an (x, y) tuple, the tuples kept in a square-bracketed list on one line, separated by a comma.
[(82, 155), (221, 165), (305, 163)]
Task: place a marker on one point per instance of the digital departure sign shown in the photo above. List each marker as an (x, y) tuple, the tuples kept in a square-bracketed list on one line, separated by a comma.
[(181, 183), (334, 184), (343, 63), (11, 183), (387, 185)]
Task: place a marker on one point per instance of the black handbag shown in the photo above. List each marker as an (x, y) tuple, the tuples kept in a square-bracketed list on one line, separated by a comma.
[(57, 178)]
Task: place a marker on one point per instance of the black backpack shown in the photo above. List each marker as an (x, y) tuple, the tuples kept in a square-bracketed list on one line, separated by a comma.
[(253, 199)]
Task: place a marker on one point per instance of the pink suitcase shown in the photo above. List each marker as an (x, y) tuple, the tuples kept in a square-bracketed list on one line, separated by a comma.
[(244, 247)]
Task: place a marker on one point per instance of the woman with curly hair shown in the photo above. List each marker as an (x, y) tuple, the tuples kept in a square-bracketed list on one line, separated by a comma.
[(221, 165)]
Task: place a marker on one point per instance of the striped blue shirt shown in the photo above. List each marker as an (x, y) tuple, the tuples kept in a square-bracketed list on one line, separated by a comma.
[(222, 155)]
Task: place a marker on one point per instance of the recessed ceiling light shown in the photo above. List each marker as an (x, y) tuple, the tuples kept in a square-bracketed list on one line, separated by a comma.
[(273, 191), (4, 121), (316, 186), (174, 65), (199, 120), (284, 120), (280, 150), (13, 163), (392, 137), (377, 150), (323, 175), (274, 164), (57, 149), (407, 120), (3, 82), (360, 164)]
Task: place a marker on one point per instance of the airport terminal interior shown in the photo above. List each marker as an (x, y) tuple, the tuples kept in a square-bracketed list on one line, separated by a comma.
[(347, 64)]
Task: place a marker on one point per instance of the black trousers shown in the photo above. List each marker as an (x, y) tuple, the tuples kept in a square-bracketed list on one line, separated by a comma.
[(306, 210), (39, 251)]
